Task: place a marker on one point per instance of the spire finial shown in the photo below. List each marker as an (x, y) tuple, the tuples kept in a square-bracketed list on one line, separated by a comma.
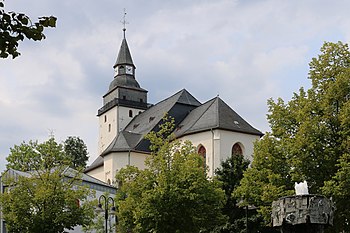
[(124, 22)]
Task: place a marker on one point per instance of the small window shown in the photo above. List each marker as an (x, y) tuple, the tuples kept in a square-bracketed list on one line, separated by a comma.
[(105, 118), (237, 149), (124, 97), (141, 100), (130, 113), (109, 127)]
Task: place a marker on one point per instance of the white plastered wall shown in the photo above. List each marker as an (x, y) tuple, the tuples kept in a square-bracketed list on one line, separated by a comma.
[(218, 144), (246, 141), (113, 162), (97, 173), (109, 125)]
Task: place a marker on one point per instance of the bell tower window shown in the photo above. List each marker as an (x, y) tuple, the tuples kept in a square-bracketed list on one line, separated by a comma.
[(120, 69)]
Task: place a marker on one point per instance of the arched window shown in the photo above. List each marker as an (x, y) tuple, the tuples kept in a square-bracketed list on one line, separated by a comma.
[(237, 149), (130, 113), (202, 152)]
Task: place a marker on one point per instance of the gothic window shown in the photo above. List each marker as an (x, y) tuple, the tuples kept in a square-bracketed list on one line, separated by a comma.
[(202, 152), (130, 113), (237, 149)]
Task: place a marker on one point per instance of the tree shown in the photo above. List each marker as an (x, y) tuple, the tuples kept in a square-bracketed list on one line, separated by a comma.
[(15, 27), (43, 194), (309, 138), (173, 194), (230, 174), (76, 151)]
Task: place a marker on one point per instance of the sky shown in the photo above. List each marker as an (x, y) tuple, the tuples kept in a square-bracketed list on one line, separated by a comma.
[(245, 51)]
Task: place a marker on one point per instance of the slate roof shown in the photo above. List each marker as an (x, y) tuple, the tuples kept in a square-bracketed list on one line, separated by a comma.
[(124, 55), (214, 114), (68, 172), (190, 117)]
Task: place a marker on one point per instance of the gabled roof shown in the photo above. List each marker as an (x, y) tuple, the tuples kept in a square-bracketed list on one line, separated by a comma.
[(124, 55), (146, 121), (132, 137), (214, 114), (190, 117), (67, 172), (98, 162), (123, 142)]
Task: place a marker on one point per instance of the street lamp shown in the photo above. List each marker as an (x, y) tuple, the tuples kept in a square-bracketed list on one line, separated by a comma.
[(105, 210)]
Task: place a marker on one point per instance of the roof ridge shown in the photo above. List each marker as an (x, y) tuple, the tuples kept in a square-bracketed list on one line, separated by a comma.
[(200, 116)]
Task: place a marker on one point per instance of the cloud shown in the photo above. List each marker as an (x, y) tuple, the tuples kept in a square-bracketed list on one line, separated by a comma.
[(245, 51)]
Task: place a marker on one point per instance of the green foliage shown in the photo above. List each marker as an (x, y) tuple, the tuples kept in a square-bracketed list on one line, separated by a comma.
[(339, 189), (76, 151), (230, 174), (309, 135), (173, 194), (34, 156), (15, 27), (43, 195)]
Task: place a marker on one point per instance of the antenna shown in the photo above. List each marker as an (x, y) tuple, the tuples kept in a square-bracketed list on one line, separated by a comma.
[(124, 22)]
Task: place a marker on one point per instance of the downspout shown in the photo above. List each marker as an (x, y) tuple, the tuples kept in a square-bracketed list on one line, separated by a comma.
[(212, 151), (129, 158)]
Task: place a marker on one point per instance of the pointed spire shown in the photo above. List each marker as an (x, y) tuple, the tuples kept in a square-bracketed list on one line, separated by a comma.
[(124, 55)]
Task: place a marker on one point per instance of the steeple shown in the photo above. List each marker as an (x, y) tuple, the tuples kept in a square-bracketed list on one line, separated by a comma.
[(124, 55), (124, 64)]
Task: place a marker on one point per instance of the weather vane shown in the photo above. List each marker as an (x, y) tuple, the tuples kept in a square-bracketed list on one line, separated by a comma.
[(124, 22)]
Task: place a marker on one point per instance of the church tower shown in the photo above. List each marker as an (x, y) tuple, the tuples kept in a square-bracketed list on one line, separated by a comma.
[(123, 101)]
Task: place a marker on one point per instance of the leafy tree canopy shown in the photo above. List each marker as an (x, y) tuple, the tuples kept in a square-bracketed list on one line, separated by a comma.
[(230, 174), (309, 138), (76, 150), (15, 27), (43, 194), (173, 194)]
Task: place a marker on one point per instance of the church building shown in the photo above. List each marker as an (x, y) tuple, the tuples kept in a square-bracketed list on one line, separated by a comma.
[(125, 117)]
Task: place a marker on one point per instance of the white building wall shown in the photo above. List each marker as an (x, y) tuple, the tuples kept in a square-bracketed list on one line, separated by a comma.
[(205, 139), (107, 129), (113, 162), (246, 141), (218, 144), (98, 173), (112, 122)]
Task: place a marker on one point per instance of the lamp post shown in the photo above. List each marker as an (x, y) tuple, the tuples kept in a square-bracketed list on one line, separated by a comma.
[(105, 209)]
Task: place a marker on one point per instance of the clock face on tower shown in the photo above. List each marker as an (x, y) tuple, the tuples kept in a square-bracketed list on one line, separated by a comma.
[(128, 69)]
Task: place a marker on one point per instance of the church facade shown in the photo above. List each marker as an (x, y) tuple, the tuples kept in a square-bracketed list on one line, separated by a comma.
[(213, 127)]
